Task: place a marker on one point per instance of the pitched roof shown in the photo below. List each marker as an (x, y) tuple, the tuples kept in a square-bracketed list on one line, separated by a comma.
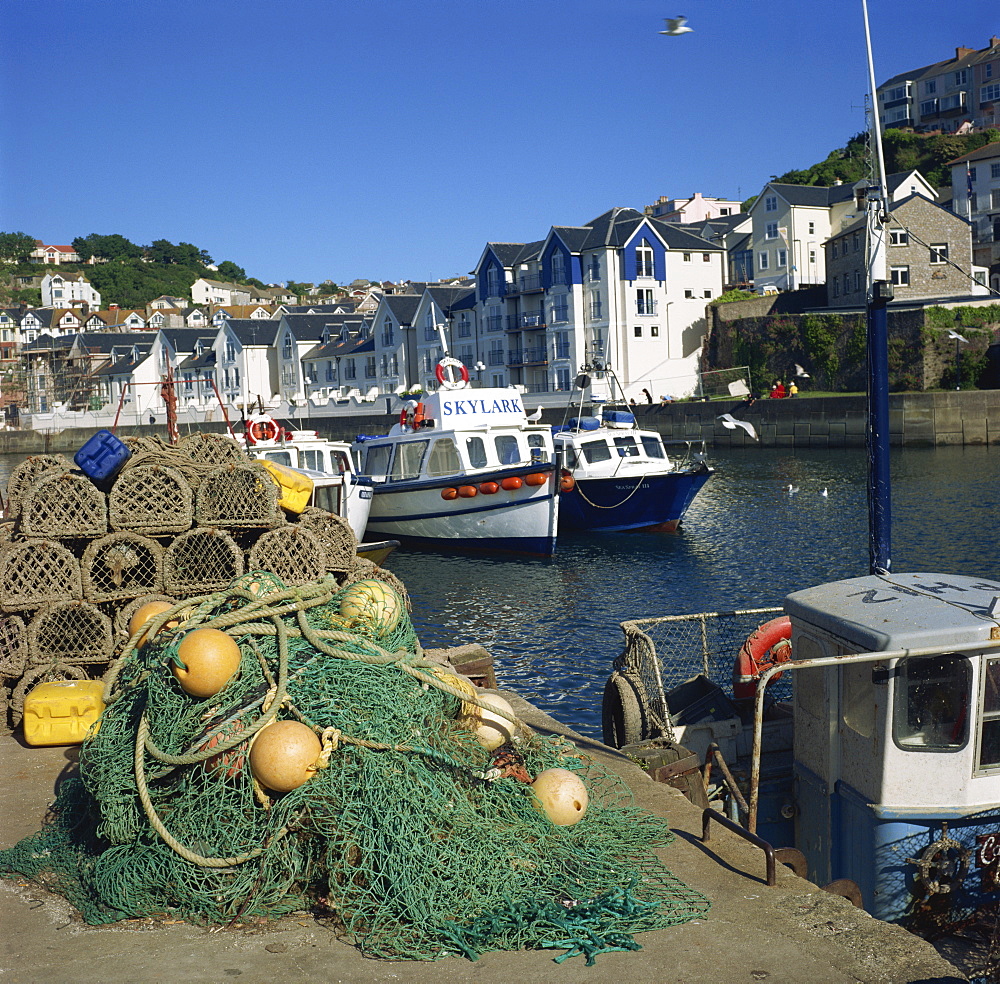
[(403, 306), (982, 154), (254, 331)]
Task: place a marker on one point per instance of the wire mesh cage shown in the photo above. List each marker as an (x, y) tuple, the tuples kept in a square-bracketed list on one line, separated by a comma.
[(70, 632), (241, 495), (663, 652), (199, 561), (121, 565), (64, 504), (339, 541), (294, 554), (13, 646), (212, 449), (151, 498), (25, 474), (37, 572)]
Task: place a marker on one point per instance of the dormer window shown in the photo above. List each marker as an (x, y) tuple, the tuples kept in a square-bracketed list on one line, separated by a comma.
[(644, 260)]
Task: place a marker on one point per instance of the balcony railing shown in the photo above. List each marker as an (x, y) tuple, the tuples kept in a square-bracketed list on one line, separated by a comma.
[(560, 314), (535, 319), (494, 358), (526, 284), (370, 372), (515, 358), (494, 322), (535, 356), (645, 308)]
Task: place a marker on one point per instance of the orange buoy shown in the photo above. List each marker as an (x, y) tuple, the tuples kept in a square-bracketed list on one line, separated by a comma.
[(566, 481), (511, 483), (468, 491), (210, 659), (284, 755), (489, 488), (449, 494), (535, 478)]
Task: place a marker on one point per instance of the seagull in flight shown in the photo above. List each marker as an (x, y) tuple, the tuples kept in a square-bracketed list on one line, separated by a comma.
[(731, 423), (675, 26), (800, 372)]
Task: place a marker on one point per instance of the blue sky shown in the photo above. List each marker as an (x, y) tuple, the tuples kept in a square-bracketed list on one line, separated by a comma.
[(391, 139)]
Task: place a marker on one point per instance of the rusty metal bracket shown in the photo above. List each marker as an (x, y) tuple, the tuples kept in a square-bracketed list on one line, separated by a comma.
[(708, 815)]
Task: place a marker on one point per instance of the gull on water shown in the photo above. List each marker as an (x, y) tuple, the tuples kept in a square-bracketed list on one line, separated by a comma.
[(792, 489), (675, 26)]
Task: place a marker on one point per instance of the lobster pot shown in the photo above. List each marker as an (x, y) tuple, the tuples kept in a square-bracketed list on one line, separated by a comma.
[(71, 632), (212, 449), (122, 614), (27, 473), (200, 561), (121, 565), (13, 646), (64, 505), (238, 496), (335, 534), (152, 499), (291, 553), (37, 572), (365, 570)]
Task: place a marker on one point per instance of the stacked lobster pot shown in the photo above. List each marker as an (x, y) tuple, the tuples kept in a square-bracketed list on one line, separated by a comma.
[(79, 554)]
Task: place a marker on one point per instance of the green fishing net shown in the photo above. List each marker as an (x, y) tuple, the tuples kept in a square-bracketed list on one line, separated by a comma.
[(409, 838)]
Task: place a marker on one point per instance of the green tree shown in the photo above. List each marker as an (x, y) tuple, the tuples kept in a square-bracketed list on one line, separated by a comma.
[(16, 247), (230, 271), (113, 247)]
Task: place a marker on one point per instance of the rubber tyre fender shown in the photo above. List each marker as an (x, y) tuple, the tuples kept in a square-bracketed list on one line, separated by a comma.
[(623, 717)]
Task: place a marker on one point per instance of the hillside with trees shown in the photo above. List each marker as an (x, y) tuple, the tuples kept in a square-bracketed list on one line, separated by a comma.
[(904, 150)]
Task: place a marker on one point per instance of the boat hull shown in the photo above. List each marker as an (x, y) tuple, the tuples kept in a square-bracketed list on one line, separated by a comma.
[(622, 504), (521, 521)]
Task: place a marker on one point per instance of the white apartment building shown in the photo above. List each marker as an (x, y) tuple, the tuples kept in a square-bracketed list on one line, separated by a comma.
[(64, 291)]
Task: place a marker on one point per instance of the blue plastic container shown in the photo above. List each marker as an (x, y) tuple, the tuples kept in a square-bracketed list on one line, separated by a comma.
[(102, 457)]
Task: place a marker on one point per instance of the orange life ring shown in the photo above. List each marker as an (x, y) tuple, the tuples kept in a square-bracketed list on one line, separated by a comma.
[(446, 363), (263, 430), (566, 481), (412, 417), (768, 645)]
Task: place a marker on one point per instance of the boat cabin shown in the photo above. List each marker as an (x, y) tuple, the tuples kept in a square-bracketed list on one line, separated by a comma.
[(587, 443), (897, 750), (307, 451)]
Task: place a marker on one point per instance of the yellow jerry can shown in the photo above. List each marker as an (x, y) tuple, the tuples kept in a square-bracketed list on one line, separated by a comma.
[(61, 712), (296, 488)]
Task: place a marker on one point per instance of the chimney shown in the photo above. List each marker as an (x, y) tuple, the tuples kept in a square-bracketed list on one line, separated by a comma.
[(962, 52), (995, 42)]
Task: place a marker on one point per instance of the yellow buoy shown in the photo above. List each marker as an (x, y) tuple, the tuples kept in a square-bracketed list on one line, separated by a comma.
[(371, 602), (491, 729), (210, 658), (561, 795), (145, 613), (284, 755)]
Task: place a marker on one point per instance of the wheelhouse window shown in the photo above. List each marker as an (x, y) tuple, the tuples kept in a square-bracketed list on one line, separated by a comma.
[(475, 448), (507, 450), (653, 446), (377, 461), (627, 448), (931, 703), (443, 459), (595, 451), (989, 739), (407, 459)]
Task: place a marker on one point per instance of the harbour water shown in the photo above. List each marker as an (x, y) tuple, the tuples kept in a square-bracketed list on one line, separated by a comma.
[(553, 625)]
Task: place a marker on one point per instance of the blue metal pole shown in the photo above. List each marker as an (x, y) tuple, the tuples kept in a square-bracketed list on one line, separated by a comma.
[(879, 497)]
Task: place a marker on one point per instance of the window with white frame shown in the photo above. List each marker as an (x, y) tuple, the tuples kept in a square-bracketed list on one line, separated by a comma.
[(644, 260), (995, 168), (939, 253), (654, 331), (812, 228), (899, 237), (930, 87), (762, 260), (782, 258), (644, 303), (771, 203), (771, 230), (558, 267), (688, 293), (900, 276), (594, 268)]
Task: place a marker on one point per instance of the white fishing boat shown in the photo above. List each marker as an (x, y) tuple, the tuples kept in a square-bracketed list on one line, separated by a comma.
[(337, 488), (464, 469)]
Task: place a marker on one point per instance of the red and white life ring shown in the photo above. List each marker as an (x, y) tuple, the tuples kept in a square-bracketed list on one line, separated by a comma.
[(412, 415), (766, 646), (446, 380), (262, 429)]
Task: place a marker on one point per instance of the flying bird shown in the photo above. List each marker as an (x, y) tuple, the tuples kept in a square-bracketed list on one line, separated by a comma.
[(731, 423), (800, 372), (675, 26)]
